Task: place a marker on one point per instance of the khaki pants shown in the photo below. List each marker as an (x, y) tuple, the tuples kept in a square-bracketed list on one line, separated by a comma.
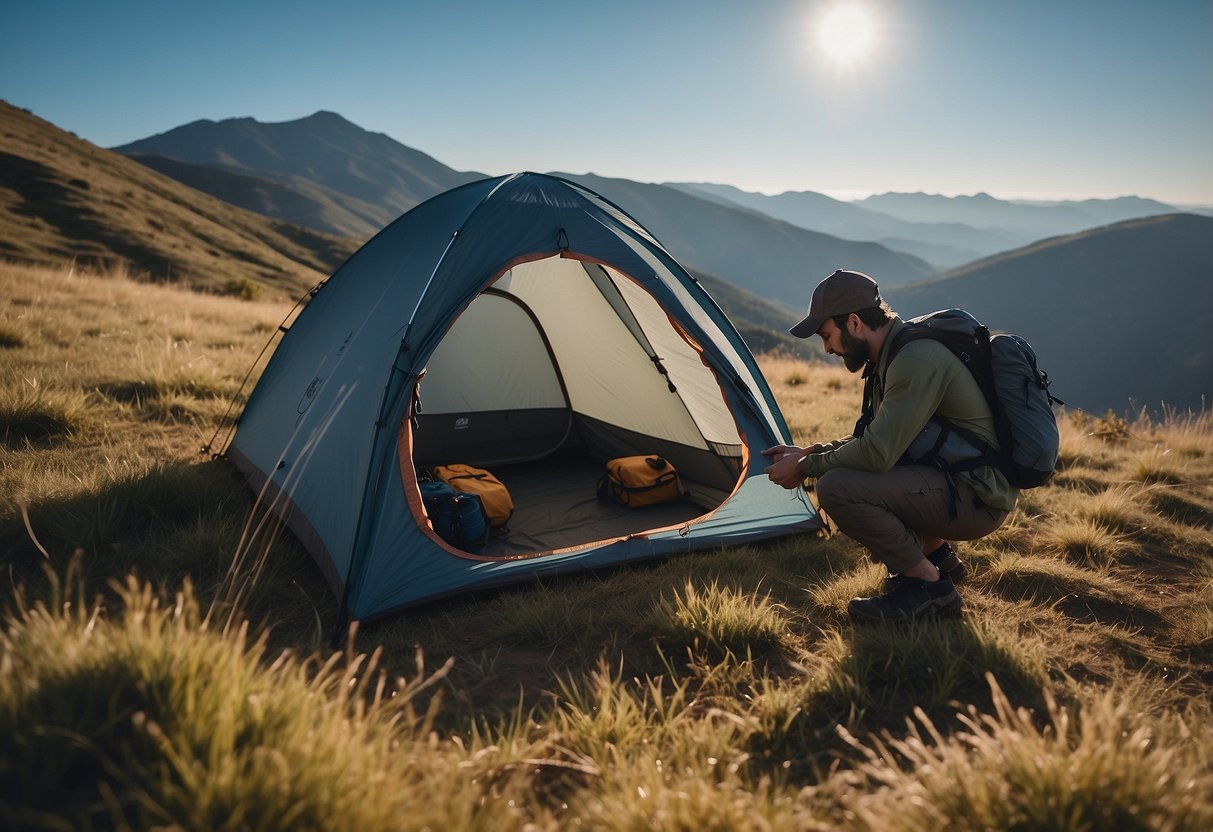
[(890, 513)]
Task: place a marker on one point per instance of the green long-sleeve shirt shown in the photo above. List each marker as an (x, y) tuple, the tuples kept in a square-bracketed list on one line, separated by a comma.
[(923, 380)]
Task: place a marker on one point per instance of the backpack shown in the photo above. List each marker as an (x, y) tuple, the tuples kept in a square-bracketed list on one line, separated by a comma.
[(457, 518), (1016, 390)]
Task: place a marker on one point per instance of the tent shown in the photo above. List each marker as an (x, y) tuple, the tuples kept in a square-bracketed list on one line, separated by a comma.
[(528, 326)]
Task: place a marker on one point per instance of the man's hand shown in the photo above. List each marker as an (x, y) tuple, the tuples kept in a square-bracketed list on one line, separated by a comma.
[(785, 470)]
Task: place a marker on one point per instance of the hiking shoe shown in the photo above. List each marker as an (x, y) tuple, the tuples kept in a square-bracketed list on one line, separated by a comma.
[(908, 599), (945, 560)]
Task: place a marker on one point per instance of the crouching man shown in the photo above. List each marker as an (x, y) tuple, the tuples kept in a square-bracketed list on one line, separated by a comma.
[(904, 514)]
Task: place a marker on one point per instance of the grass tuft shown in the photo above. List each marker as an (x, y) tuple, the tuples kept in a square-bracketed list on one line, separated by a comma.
[(139, 391), (1158, 465), (1181, 506), (543, 617), (1046, 580), (11, 338), (722, 618), (33, 413), (1095, 767), (1084, 541), (1118, 509)]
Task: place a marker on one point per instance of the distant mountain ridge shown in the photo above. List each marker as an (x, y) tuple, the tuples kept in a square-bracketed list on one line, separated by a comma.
[(1119, 315), (377, 177), (1035, 219), (947, 231), (337, 171), (944, 244)]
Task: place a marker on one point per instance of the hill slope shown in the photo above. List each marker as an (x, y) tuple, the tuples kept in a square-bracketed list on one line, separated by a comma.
[(290, 199), (1119, 315), (62, 198)]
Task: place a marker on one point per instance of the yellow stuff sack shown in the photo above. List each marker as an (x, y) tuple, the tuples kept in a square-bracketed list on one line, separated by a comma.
[(638, 481), (492, 492)]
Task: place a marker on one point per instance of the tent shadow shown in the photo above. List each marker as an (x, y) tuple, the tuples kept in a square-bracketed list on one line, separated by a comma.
[(172, 522)]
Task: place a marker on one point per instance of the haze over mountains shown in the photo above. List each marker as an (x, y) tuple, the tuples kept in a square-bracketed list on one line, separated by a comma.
[(1077, 295), (946, 231)]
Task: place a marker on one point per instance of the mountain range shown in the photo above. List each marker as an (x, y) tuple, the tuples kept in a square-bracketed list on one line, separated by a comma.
[(337, 175), (946, 231), (63, 199), (328, 184), (322, 172)]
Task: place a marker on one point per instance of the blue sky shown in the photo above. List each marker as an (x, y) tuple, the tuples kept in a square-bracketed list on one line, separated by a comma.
[(1046, 99)]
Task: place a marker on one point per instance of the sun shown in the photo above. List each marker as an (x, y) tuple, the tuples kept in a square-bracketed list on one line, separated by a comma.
[(847, 33)]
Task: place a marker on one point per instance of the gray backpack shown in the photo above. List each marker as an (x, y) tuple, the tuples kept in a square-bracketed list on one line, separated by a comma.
[(1017, 391)]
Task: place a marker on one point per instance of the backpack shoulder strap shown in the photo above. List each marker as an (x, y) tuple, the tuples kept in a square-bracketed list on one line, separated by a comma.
[(867, 410)]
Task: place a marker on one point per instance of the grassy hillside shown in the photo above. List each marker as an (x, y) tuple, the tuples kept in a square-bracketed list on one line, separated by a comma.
[(722, 690), (1118, 315), (63, 199)]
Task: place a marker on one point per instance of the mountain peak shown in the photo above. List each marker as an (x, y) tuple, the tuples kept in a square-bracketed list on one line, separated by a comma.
[(326, 116)]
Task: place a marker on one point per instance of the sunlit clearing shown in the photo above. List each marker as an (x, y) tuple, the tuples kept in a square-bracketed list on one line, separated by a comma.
[(847, 33)]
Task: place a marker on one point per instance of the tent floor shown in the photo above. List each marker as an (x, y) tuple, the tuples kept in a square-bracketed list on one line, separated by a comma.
[(556, 505)]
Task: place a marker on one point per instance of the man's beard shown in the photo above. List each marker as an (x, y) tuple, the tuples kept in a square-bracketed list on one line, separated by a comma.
[(854, 351)]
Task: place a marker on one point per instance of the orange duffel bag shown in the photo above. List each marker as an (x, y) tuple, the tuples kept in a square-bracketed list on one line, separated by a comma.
[(638, 481), (466, 479)]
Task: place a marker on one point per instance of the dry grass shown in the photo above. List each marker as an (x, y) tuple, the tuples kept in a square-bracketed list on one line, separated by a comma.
[(723, 690)]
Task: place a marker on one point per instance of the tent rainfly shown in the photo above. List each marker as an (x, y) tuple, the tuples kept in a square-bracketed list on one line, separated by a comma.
[(526, 325)]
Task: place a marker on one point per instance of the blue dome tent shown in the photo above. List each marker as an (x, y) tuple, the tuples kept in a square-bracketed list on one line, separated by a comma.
[(525, 325)]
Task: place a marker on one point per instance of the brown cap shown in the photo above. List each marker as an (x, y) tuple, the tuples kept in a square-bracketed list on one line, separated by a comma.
[(841, 293)]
